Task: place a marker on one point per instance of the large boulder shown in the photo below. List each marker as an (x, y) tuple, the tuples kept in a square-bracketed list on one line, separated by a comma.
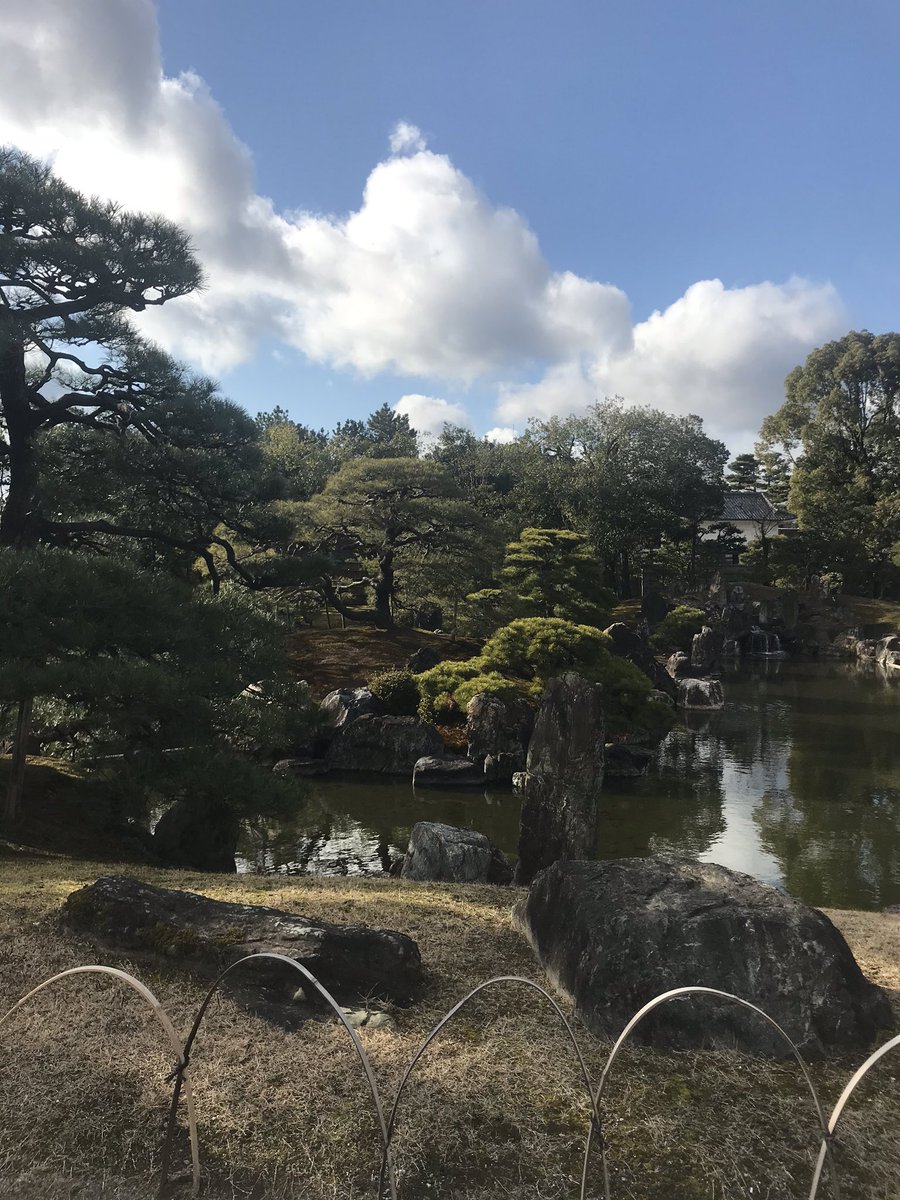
[(563, 776), (344, 705), (446, 772), (497, 734), (626, 643), (704, 694), (706, 650), (424, 659), (392, 745), (203, 935), (887, 652), (678, 666), (616, 934), (201, 835), (444, 853), (624, 761)]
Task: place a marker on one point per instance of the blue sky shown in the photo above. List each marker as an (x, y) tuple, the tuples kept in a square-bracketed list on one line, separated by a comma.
[(651, 146)]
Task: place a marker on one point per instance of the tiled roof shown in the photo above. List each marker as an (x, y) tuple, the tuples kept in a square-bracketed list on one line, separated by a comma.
[(747, 506)]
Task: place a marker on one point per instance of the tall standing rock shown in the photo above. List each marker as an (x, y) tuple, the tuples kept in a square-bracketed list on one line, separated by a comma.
[(563, 776), (706, 650)]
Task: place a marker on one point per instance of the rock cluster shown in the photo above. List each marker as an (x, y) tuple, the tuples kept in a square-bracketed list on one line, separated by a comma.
[(386, 744)]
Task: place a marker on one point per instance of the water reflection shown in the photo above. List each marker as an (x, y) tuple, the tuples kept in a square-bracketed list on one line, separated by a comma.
[(797, 782)]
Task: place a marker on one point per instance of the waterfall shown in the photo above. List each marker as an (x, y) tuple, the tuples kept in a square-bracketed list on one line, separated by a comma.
[(764, 644)]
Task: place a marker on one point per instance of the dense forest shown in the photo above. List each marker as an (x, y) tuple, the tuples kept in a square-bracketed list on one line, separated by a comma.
[(157, 542)]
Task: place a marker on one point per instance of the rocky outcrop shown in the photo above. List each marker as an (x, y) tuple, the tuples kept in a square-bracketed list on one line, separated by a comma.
[(563, 776), (626, 762), (887, 652), (636, 649), (344, 705), (678, 666), (705, 694), (204, 935), (201, 835), (391, 745), (497, 735), (446, 772), (444, 853), (423, 659), (706, 650), (616, 934)]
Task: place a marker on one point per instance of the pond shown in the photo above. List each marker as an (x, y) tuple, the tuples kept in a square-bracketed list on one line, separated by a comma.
[(797, 782)]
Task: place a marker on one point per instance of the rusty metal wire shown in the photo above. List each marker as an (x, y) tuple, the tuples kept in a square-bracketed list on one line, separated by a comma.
[(162, 1018)]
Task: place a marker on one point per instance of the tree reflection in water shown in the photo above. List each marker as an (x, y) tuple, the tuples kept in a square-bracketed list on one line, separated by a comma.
[(797, 782)]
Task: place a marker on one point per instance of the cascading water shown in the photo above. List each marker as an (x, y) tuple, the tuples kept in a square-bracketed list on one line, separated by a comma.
[(764, 644)]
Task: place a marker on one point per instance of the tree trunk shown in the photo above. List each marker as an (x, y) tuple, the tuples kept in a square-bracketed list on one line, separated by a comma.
[(17, 766), (384, 591), (16, 519), (626, 576)]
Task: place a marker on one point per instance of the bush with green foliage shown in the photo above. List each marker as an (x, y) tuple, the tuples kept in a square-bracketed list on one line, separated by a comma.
[(519, 658), (676, 630), (165, 690), (397, 691)]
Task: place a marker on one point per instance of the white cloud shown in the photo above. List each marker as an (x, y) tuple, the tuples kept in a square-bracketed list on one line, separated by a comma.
[(502, 435), (720, 352), (406, 138), (429, 414), (426, 278)]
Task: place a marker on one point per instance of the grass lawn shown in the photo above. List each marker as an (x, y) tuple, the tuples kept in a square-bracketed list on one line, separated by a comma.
[(495, 1110)]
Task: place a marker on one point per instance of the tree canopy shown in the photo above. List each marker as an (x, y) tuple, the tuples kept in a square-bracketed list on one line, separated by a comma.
[(840, 423), (376, 517)]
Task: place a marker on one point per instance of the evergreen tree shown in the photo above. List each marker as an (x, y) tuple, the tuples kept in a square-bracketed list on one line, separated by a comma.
[(548, 573), (743, 472), (841, 423), (375, 517)]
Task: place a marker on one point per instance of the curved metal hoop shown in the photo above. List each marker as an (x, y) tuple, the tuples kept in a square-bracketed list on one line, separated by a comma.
[(838, 1110), (339, 1013), (500, 979), (664, 998), (162, 1018)]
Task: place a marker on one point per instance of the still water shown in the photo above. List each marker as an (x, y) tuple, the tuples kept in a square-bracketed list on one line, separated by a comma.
[(796, 782)]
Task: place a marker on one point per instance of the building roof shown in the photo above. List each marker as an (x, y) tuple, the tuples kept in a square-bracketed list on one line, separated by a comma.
[(747, 506)]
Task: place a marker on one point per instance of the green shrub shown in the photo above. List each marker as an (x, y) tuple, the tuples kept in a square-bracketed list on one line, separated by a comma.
[(446, 677), (397, 691), (495, 685), (519, 658), (540, 647), (676, 630)]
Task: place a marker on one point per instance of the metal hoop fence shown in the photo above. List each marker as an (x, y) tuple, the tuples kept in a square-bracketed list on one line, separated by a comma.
[(387, 1181)]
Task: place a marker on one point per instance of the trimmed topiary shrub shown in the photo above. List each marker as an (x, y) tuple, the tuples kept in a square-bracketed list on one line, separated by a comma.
[(540, 647), (398, 691), (676, 630), (519, 658)]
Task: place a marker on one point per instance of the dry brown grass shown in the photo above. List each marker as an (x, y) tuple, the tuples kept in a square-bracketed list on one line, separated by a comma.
[(494, 1112), (333, 658)]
